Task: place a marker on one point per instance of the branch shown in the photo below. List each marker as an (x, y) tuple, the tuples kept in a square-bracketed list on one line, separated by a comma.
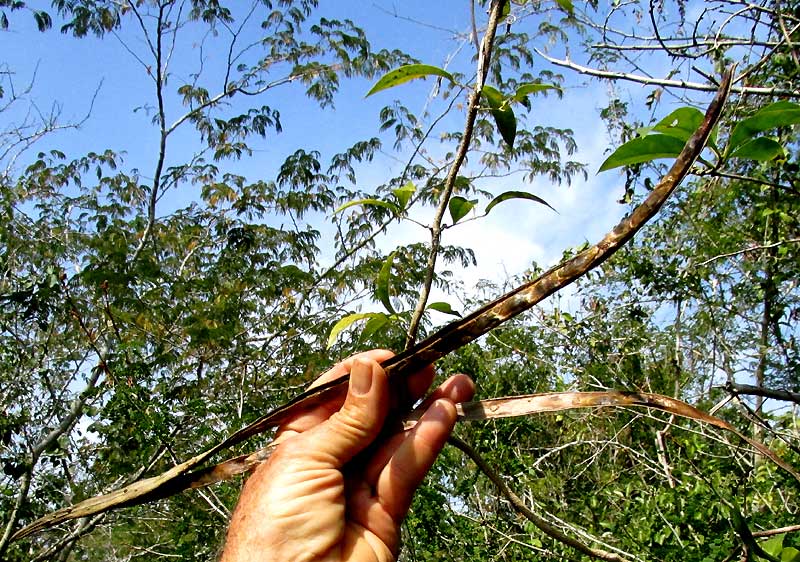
[(520, 507), (484, 55), (780, 531), (747, 250), (75, 411), (750, 390), (84, 527), (160, 72), (609, 75)]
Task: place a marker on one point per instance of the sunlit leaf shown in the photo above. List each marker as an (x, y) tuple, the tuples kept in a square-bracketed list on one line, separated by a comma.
[(503, 114), (345, 323), (778, 114), (374, 324), (761, 149), (772, 545), (681, 123), (377, 202), (790, 554), (404, 194), (405, 73), (382, 284), (443, 307), (643, 149), (505, 196), (459, 207), (567, 6), (525, 90)]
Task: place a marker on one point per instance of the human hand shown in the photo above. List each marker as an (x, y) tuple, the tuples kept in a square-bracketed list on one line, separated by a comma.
[(330, 491)]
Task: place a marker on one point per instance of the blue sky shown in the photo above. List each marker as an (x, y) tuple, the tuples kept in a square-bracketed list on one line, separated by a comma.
[(70, 71)]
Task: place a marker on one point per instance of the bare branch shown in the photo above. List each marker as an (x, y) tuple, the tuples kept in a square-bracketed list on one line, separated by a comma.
[(484, 55), (750, 390), (611, 75), (748, 250), (520, 507)]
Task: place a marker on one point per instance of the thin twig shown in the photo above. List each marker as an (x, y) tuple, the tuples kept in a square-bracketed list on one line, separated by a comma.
[(748, 250), (610, 75), (520, 507), (484, 55)]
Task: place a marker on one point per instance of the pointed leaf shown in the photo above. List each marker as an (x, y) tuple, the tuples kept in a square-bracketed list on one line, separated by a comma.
[(386, 204), (374, 324), (524, 90), (404, 194), (643, 149), (443, 307), (760, 149), (462, 183), (382, 284), (503, 114), (778, 114), (405, 73), (459, 207), (505, 196), (346, 322), (773, 545), (43, 20), (681, 123), (790, 554), (567, 6)]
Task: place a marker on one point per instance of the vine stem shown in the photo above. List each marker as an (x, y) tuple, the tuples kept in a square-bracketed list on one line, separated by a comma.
[(484, 56)]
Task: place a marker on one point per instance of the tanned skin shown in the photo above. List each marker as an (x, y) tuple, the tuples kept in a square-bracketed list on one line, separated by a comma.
[(339, 485)]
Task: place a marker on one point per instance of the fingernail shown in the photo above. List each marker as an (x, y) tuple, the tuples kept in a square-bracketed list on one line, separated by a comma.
[(360, 378)]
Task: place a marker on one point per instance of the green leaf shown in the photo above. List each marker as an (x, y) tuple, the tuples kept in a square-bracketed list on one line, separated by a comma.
[(502, 113), (778, 114), (405, 73), (527, 89), (443, 307), (43, 20), (345, 323), (386, 204), (505, 196), (567, 6), (790, 554), (760, 149), (378, 321), (681, 123), (459, 207), (773, 545), (643, 149), (462, 183), (382, 284), (404, 194)]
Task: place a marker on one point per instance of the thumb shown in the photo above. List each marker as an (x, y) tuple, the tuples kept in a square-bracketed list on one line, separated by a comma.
[(350, 430)]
